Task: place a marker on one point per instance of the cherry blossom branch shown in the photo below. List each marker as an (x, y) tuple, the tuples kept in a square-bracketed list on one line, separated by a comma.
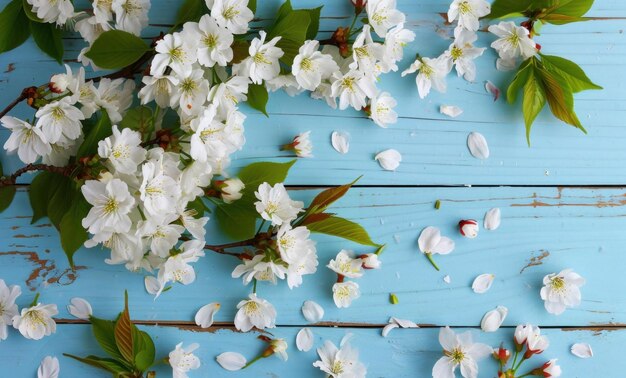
[(11, 180)]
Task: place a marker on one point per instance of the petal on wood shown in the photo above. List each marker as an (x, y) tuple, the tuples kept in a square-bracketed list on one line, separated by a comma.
[(340, 141), (404, 323), (482, 283), (304, 340), (447, 279), (493, 319), (492, 219), (231, 361), (49, 368), (204, 316), (79, 308), (388, 328), (389, 160), (450, 110), (477, 145), (582, 350), (152, 285), (491, 88), (312, 311)]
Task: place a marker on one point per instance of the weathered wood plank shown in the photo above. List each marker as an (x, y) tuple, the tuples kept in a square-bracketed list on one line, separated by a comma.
[(405, 353), (543, 230)]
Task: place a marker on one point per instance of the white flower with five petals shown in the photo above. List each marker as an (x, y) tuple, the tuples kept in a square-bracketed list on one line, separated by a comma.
[(111, 204), (468, 13), (459, 350), (275, 205), (233, 15), (29, 141), (36, 322), (8, 308), (122, 150), (513, 41), (131, 15), (432, 74), (182, 360), (255, 312), (345, 292), (561, 290), (311, 66), (342, 362), (214, 41), (383, 15)]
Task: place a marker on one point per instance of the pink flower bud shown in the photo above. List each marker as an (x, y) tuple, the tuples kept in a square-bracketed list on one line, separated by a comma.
[(370, 261), (468, 228), (549, 369), (58, 83)]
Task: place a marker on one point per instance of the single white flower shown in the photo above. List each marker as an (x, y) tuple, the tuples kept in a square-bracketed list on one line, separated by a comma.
[(60, 121), (158, 192), (561, 290), (395, 41), (49, 368), (158, 88), (342, 362), (477, 145), (346, 264), (194, 225), (191, 92), (177, 268), (279, 348), (207, 140), (381, 109), (182, 360), (234, 15), (232, 190), (111, 203), (483, 283), (344, 293), (161, 234), (492, 219), (8, 308), (229, 93), (311, 66), (262, 64), (389, 160), (214, 41), (493, 319), (383, 15), (340, 141), (231, 361), (352, 89), (304, 339), (432, 74), (275, 205), (29, 141), (36, 322), (57, 11), (255, 312), (366, 53), (582, 350), (115, 96), (459, 350), (80, 308), (131, 15), (462, 53), (174, 51), (397, 323), (468, 12), (450, 110), (204, 316), (532, 337), (431, 241), (513, 41), (312, 311), (123, 150), (468, 228)]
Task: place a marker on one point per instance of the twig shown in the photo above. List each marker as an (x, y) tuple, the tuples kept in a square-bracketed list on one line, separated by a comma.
[(10, 180), (26, 93)]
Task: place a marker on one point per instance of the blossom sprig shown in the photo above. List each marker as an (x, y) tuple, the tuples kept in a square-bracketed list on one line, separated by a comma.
[(234, 361), (349, 265)]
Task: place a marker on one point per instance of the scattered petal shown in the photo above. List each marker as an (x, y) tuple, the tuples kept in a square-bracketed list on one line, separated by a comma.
[(492, 219), (447, 279), (493, 319), (80, 308), (388, 328), (49, 368), (389, 160), (450, 110), (491, 88), (506, 64), (204, 316), (404, 323), (477, 145), (231, 361), (582, 350), (340, 141), (312, 311), (482, 283), (304, 340), (152, 285)]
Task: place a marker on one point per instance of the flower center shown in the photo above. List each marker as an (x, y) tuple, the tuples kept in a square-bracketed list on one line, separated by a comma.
[(188, 85), (251, 308), (120, 151), (426, 70), (58, 113), (465, 8), (337, 367), (210, 40), (177, 54), (379, 17), (362, 52), (513, 39), (456, 355), (306, 64), (111, 206), (230, 12), (259, 58), (348, 83), (35, 317), (130, 7), (558, 284), (271, 208), (456, 52)]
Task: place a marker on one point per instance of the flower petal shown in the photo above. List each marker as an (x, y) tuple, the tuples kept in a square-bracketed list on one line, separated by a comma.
[(388, 328), (404, 323), (304, 340), (231, 361), (152, 285), (482, 283), (447, 279), (312, 311), (492, 219), (49, 368), (491, 88), (428, 239), (389, 160), (340, 141), (80, 308), (204, 316), (450, 110), (582, 350), (493, 319), (477, 145)]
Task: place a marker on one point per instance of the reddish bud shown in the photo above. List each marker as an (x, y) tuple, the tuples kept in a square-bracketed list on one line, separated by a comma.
[(502, 355), (468, 228), (538, 46)]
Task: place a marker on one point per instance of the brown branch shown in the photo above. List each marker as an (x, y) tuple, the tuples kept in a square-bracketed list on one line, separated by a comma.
[(10, 180), (26, 93)]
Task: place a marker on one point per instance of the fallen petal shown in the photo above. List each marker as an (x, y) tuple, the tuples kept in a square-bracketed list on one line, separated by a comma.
[(231, 361), (204, 316), (447, 279), (304, 340), (492, 219), (404, 323), (491, 88), (49, 368), (152, 285), (582, 350), (340, 141), (450, 110), (493, 319), (312, 311), (389, 160), (388, 328), (482, 283), (477, 145), (506, 64), (80, 308)]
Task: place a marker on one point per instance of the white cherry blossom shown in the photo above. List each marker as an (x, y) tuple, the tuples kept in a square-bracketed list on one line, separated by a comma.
[(462, 53), (29, 141), (561, 290), (275, 205), (255, 312), (383, 15), (459, 350), (381, 109), (131, 15), (53, 11), (342, 362), (345, 292), (111, 204), (346, 264), (468, 12), (432, 74), (262, 64), (177, 268), (311, 66), (352, 89), (182, 360), (232, 190), (158, 88), (214, 41), (234, 15), (60, 121), (123, 150), (8, 308), (513, 41), (115, 96), (36, 321), (191, 92), (174, 51), (158, 192)]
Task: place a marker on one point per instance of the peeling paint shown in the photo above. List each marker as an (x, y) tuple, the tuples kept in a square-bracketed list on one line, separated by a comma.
[(45, 271), (536, 260), (10, 68)]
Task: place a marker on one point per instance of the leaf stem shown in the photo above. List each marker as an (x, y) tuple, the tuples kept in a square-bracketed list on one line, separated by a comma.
[(254, 281), (255, 359), (429, 256)]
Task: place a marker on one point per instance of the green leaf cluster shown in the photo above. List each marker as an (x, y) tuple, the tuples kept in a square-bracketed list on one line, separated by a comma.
[(130, 351), (552, 80), (556, 12), (18, 22)]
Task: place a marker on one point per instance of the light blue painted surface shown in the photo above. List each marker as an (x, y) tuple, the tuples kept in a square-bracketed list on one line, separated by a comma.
[(581, 228)]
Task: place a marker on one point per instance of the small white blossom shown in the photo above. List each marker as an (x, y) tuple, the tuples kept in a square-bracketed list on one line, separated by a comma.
[(80, 308), (513, 41), (191, 92), (60, 121), (123, 150), (344, 293), (431, 241), (381, 108), (262, 64), (177, 268), (397, 38), (561, 290), (182, 360), (255, 312), (214, 41), (370, 261), (311, 66), (161, 235), (36, 322), (232, 190), (551, 369), (174, 51), (115, 96), (468, 12), (158, 192), (383, 15), (111, 203), (279, 347), (352, 89), (29, 141), (8, 308), (275, 205), (432, 74), (459, 350), (345, 264), (131, 15), (57, 11), (158, 88), (462, 53), (342, 362), (234, 15)]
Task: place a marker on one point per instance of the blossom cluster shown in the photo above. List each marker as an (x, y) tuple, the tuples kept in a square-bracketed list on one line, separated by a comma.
[(347, 265)]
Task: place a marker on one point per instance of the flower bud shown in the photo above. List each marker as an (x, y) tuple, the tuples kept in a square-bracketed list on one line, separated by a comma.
[(370, 261), (58, 83), (359, 5), (501, 355), (231, 190), (468, 228), (549, 369), (301, 145)]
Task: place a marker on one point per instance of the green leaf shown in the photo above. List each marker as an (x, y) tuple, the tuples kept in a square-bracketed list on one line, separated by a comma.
[(14, 28), (124, 334), (327, 197), (560, 98), (521, 77), (103, 330), (508, 8), (98, 132), (39, 193), (7, 193), (107, 364), (191, 10), (237, 219), (240, 50), (343, 228), (292, 25), (116, 49), (561, 19), (49, 38), (534, 100), (138, 119), (574, 8), (198, 206), (28, 10), (314, 26), (144, 349), (257, 97), (63, 194), (569, 71), (255, 174), (72, 232), (252, 5)]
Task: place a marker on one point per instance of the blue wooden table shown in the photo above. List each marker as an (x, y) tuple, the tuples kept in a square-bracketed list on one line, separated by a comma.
[(562, 203)]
